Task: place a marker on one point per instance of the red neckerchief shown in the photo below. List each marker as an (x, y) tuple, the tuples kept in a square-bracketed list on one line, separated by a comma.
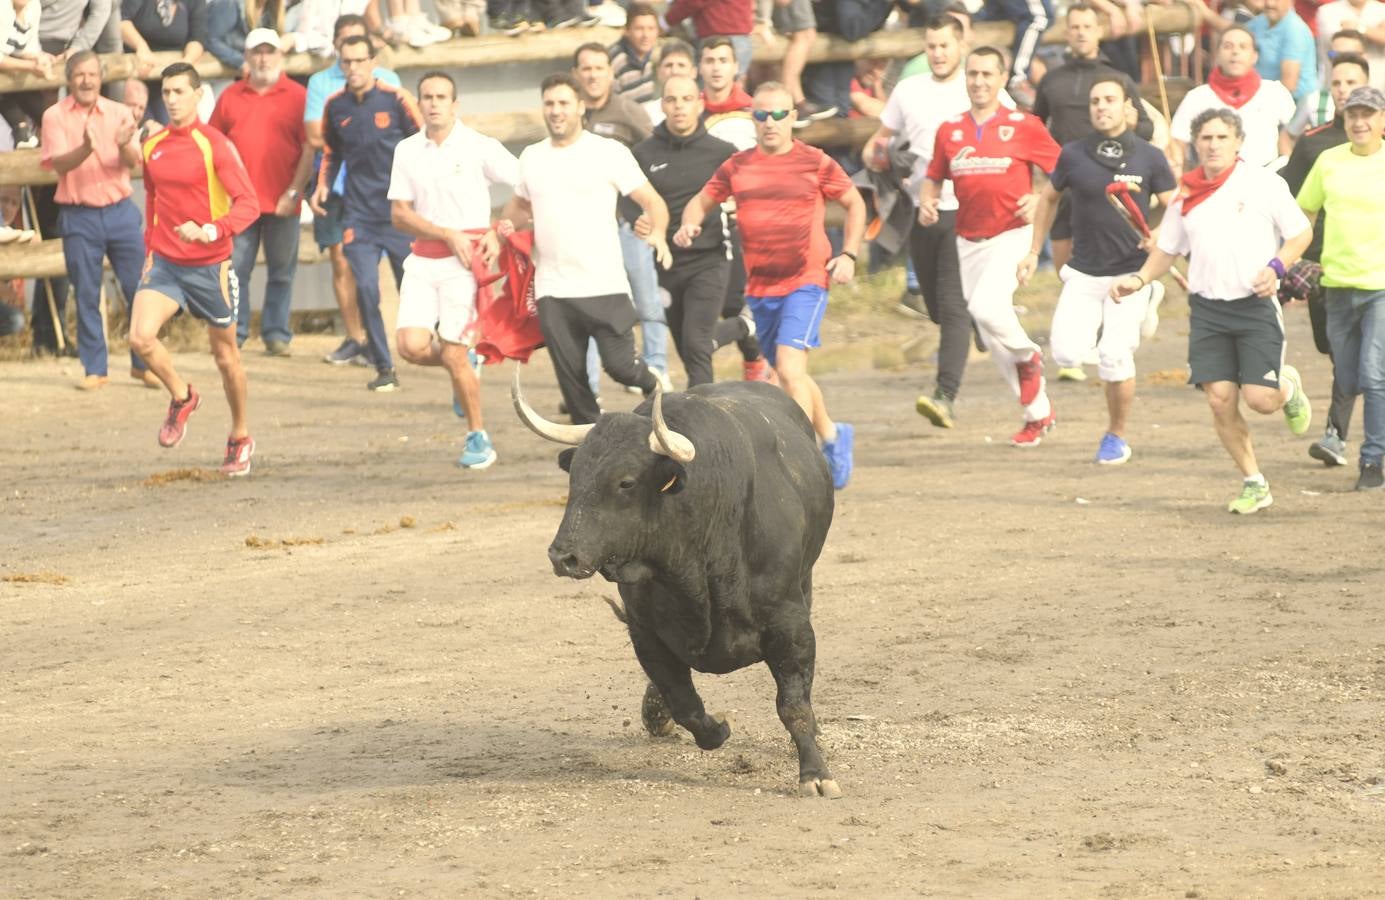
[(1197, 187), (1234, 92), (737, 100)]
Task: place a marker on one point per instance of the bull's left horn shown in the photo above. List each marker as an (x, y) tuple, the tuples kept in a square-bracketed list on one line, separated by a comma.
[(664, 440), (561, 434)]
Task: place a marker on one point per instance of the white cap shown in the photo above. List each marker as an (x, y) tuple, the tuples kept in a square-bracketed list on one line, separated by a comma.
[(261, 36)]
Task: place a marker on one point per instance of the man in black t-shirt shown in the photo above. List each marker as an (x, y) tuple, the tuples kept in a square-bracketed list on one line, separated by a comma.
[(1104, 248)]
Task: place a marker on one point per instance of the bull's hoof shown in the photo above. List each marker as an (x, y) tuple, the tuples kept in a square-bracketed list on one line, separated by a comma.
[(717, 737), (825, 788), (654, 713)]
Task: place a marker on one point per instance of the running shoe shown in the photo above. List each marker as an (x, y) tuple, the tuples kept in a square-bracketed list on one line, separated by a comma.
[(1113, 450), (238, 453), (175, 426), (92, 382), (1032, 434), (1298, 411), (1371, 477), (349, 351), (1331, 450), (1031, 373), (810, 112), (840, 455), (385, 381), (758, 370), (479, 453), (1150, 324), (936, 409), (277, 348), (1072, 373), (1254, 496)]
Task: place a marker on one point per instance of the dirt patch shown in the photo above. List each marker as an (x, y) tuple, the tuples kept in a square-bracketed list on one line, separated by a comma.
[(36, 578), (174, 476)]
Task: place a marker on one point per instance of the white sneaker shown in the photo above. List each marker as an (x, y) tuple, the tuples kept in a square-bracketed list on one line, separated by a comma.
[(609, 14), (1151, 320)]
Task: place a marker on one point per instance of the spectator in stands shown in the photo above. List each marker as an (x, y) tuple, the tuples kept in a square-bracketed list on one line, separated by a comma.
[(461, 17), (868, 94), (730, 19), (727, 105), (20, 52), (361, 127), (11, 289), (90, 142), (229, 22), (632, 57), (795, 20), (828, 84), (1287, 52), (613, 115), (675, 58), (327, 226), (262, 115), (67, 26), (1125, 23), (1364, 17), (1319, 108), (150, 26), (136, 96), (408, 24), (1031, 18), (1263, 106)]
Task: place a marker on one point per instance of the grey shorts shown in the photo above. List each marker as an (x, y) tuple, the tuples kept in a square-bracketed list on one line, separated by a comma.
[(210, 292), (1240, 341), (796, 16)]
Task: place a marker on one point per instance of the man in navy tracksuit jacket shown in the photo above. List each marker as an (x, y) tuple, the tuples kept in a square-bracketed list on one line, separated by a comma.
[(361, 126)]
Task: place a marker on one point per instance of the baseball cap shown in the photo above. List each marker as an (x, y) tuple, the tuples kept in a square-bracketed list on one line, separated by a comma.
[(261, 36), (1369, 97)]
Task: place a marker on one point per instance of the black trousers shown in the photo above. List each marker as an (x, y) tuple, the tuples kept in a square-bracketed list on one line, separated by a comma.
[(697, 289), (933, 250), (735, 290), (568, 323)]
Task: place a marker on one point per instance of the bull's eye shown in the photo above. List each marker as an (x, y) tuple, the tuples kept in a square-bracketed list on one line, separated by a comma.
[(627, 483)]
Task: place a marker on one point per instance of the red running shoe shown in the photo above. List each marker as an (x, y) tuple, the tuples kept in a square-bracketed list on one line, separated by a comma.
[(176, 425), (759, 370), (238, 453), (1032, 434), (1031, 373)]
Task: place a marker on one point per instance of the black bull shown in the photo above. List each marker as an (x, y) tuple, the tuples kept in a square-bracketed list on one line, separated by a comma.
[(708, 510)]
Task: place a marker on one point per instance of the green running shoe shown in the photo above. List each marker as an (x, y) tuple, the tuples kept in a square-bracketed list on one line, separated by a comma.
[(1254, 496), (1298, 412)]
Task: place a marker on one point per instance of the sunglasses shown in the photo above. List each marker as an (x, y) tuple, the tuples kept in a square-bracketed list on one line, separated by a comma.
[(778, 115)]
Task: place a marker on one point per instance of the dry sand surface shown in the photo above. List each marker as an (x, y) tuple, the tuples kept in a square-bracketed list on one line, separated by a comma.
[(353, 673)]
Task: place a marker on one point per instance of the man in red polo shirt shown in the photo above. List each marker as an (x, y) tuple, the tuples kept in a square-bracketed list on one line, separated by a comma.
[(262, 115), (987, 153)]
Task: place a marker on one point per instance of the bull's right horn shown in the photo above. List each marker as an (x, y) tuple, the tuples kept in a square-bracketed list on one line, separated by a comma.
[(561, 434), (664, 440)]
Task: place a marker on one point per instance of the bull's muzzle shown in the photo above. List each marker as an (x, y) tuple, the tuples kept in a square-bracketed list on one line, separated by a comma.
[(567, 565)]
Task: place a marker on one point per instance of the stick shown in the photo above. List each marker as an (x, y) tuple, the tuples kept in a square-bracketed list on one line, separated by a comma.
[(1158, 69), (58, 328), (1141, 230)]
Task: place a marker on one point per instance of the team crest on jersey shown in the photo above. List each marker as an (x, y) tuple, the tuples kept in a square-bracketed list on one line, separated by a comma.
[(1006, 132), (382, 120)]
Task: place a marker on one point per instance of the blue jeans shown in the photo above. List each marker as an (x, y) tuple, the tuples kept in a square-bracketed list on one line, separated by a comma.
[(279, 236), (1356, 330), (91, 233), (644, 290)]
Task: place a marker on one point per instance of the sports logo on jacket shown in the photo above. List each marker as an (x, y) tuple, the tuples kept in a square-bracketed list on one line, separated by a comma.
[(382, 120), (1006, 132)]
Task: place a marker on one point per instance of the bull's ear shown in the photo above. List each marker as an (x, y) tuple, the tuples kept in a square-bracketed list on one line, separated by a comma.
[(669, 475), (565, 459)]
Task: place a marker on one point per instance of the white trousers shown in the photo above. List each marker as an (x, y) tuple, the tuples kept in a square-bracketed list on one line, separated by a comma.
[(989, 284), (1084, 307)]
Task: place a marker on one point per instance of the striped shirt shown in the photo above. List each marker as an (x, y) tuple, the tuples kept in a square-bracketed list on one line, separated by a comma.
[(194, 174), (634, 76)]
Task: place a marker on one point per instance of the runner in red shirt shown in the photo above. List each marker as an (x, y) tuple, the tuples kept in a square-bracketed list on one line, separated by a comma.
[(987, 153), (780, 186), (197, 197)]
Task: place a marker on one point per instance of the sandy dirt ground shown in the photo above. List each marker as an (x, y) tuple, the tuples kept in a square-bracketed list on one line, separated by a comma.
[(354, 674)]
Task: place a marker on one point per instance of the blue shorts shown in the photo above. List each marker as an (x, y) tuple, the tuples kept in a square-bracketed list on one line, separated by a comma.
[(329, 230), (209, 292), (790, 321)]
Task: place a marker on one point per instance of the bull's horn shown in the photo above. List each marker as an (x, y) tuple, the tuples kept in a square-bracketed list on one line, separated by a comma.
[(562, 434), (664, 440)]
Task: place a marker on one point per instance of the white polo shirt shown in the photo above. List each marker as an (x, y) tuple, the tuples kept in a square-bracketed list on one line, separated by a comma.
[(1230, 236), (1340, 14), (449, 183), (1261, 117), (573, 190), (917, 107)]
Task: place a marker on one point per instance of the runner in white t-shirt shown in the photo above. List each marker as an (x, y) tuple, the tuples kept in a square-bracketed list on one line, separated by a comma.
[(1264, 107), (568, 187), (440, 194)]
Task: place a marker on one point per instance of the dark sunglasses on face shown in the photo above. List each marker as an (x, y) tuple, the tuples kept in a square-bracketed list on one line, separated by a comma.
[(777, 115)]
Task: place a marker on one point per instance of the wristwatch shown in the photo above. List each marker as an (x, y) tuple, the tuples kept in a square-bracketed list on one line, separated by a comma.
[(210, 231)]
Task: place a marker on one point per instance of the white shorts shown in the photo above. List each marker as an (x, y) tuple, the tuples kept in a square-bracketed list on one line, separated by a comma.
[(1084, 307), (438, 293)]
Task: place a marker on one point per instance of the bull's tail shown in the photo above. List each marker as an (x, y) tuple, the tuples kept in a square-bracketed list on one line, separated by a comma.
[(617, 608)]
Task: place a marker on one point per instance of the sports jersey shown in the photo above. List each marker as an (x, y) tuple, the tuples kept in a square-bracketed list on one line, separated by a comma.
[(1102, 244), (1295, 172), (363, 133), (779, 208), (1352, 188), (322, 86), (193, 174), (449, 183), (988, 163)]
